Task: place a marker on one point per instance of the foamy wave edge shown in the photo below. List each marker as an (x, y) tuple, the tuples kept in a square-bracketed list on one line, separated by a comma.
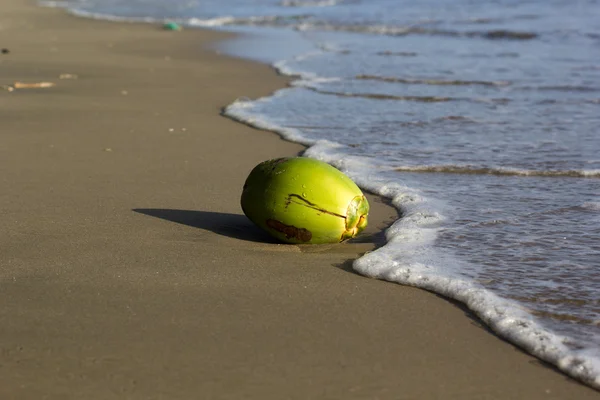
[(414, 234)]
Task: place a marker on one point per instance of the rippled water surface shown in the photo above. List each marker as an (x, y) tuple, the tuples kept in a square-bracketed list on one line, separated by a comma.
[(482, 121)]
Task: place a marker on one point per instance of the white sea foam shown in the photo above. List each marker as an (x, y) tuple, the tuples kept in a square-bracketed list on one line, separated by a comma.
[(284, 68), (372, 29), (230, 20), (241, 110), (210, 22), (307, 78)]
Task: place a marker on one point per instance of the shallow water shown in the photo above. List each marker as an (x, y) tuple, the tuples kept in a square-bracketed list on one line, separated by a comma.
[(481, 120)]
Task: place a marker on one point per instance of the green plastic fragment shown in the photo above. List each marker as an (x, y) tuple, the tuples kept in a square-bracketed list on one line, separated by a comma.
[(172, 26)]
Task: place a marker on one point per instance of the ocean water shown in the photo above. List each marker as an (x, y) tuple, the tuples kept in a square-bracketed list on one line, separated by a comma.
[(480, 120)]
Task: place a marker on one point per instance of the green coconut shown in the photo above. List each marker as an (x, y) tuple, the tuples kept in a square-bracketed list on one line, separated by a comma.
[(301, 200)]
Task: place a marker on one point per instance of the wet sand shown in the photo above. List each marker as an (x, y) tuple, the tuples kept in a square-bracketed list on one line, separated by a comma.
[(128, 270)]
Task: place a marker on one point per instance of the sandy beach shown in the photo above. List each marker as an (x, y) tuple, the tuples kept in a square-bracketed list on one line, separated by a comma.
[(128, 270)]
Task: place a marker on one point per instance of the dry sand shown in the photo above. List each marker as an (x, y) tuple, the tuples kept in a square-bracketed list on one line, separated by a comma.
[(128, 271)]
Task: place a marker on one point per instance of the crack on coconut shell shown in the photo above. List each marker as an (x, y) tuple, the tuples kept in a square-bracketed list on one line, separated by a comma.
[(309, 204)]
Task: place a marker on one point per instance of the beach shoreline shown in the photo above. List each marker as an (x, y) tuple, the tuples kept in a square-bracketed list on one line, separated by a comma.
[(129, 271)]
